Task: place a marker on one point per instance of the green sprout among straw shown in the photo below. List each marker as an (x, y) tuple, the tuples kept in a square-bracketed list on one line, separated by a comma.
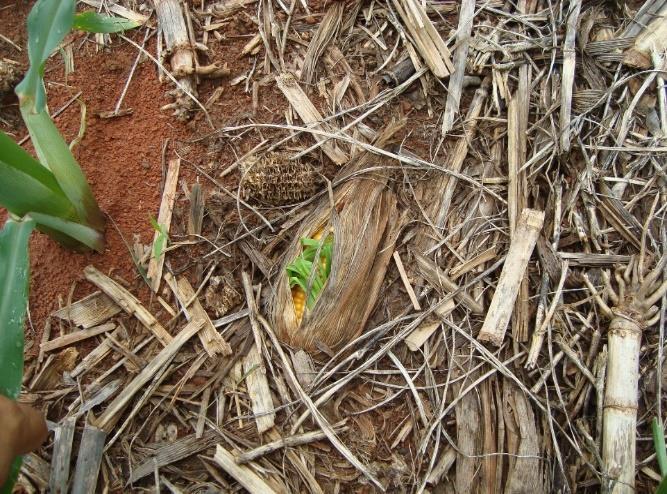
[(309, 272)]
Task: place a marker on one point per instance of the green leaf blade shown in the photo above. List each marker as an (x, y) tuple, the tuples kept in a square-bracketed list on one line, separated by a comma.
[(93, 22), (71, 234), (26, 185), (54, 153), (14, 274), (49, 22), (161, 241), (662, 488), (659, 444)]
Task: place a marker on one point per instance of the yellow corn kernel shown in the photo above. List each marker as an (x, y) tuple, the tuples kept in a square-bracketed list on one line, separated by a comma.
[(299, 300), (298, 295)]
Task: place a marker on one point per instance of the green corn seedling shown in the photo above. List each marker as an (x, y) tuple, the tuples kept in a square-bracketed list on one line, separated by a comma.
[(14, 268), (310, 274), (54, 190), (51, 194)]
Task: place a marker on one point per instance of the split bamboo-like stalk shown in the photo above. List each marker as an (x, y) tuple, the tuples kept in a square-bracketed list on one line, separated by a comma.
[(128, 303), (326, 31), (259, 391), (90, 311), (182, 59), (244, 475), (502, 304), (466, 14), (569, 62), (619, 419), (364, 223), (62, 451), (634, 311), (427, 40), (88, 460), (517, 189), (156, 264)]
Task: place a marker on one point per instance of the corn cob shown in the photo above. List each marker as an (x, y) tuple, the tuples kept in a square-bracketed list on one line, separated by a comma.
[(298, 294), (275, 179)]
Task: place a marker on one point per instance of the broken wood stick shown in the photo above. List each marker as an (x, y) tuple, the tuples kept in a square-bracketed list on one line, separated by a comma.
[(62, 451), (171, 22), (406, 281), (128, 303), (252, 482), (428, 41), (259, 391), (75, 337), (212, 341), (502, 304), (88, 460), (156, 262), (161, 359), (287, 442), (310, 116), (478, 260), (95, 356)]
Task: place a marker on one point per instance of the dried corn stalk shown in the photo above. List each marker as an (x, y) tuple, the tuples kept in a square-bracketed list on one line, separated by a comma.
[(364, 222), (652, 38)]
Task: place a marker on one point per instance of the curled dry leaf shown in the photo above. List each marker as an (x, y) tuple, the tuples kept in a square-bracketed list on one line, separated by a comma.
[(364, 222)]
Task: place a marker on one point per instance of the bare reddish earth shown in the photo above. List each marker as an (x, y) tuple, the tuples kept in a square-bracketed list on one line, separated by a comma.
[(121, 158)]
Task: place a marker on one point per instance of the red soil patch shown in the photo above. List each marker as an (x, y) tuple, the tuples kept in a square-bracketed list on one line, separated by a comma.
[(121, 157)]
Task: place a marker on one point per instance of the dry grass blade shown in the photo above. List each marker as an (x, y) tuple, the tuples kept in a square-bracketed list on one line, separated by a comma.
[(326, 31)]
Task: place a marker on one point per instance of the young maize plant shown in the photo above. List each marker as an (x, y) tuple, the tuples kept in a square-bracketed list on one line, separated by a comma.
[(307, 277), (54, 191), (633, 310), (51, 194), (14, 268)]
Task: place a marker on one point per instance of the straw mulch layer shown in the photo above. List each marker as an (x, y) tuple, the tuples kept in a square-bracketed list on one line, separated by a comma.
[(493, 177)]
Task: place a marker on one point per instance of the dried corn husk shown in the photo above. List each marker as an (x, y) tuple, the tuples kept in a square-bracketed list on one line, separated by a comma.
[(364, 221)]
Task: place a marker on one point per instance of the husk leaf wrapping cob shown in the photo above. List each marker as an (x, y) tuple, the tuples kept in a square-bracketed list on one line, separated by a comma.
[(363, 226)]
